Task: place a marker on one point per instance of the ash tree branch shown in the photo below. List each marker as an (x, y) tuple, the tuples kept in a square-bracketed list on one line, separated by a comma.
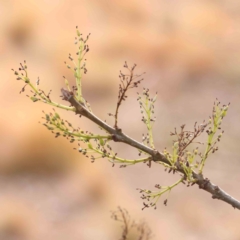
[(156, 156), (180, 160)]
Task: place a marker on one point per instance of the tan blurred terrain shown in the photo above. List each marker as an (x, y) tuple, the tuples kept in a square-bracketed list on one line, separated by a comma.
[(191, 53)]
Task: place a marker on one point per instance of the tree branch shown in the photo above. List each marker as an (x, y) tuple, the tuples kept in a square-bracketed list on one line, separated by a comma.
[(217, 192), (156, 156)]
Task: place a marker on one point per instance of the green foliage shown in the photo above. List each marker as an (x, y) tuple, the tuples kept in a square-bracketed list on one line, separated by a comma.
[(147, 111)]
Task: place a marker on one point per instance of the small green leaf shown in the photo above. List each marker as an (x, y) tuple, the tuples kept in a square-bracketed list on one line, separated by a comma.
[(154, 99), (75, 75), (224, 112), (34, 99), (57, 116), (90, 146), (78, 33), (67, 84), (102, 143)]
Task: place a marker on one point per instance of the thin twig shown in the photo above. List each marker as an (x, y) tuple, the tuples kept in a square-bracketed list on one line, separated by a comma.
[(126, 82)]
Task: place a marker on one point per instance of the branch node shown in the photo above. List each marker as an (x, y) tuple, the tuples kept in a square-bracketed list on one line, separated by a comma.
[(114, 138)]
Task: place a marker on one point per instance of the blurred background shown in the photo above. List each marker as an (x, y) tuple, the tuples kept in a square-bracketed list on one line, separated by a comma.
[(190, 51)]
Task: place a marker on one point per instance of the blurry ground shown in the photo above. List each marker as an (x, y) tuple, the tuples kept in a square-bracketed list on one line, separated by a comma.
[(191, 53)]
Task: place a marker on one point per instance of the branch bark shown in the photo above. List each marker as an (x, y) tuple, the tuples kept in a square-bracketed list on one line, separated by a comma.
[(119, 136)]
